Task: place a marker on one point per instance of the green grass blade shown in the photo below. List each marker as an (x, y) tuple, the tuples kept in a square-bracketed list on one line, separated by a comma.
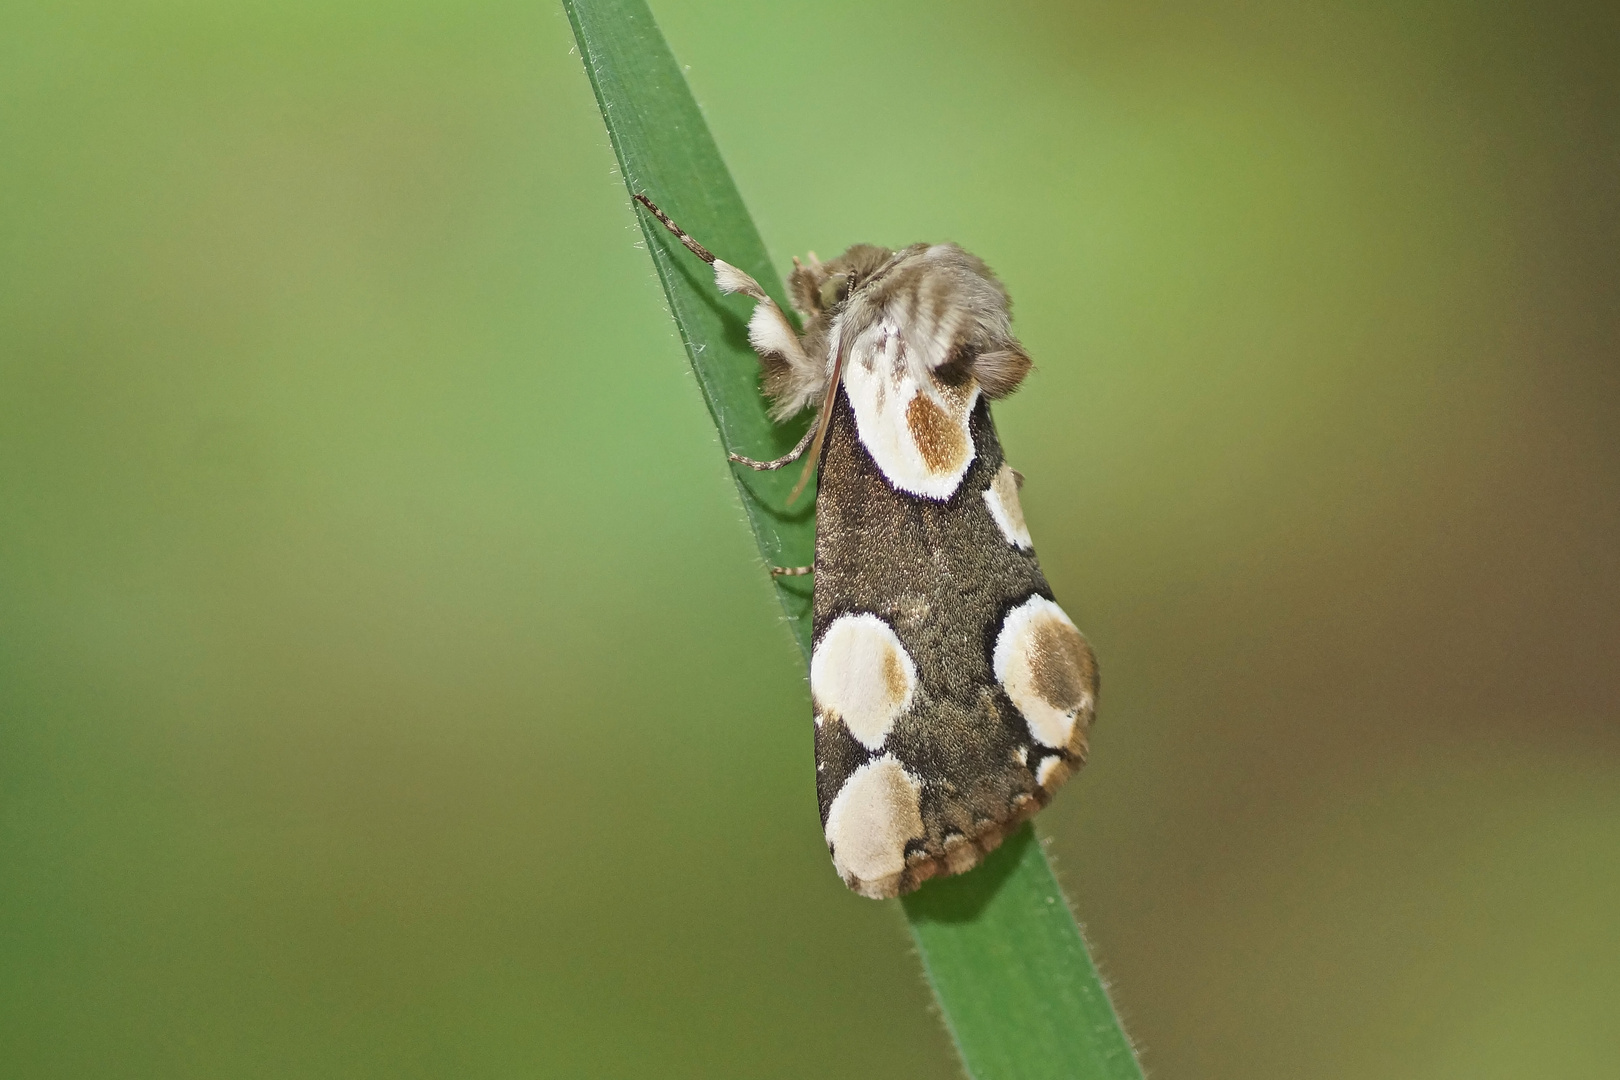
[(665, 152), (1011, 972), (1002, 951)]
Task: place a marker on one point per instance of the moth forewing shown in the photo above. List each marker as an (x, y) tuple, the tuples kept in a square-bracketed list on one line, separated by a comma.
[(951, 694)]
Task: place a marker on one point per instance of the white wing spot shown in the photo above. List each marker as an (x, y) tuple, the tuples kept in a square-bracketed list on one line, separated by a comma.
[(916, 431), (873, 815), (1048, 767), (1002, 499), (862, 675), (1045, 666)]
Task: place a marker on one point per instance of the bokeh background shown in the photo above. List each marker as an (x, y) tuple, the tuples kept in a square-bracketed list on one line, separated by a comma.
[(388, 683)]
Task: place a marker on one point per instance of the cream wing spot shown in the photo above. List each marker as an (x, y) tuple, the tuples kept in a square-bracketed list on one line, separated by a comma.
[(1047, 669), (917, 432), (863, 676), (1002, 499), (1051, 772), (870, 820)]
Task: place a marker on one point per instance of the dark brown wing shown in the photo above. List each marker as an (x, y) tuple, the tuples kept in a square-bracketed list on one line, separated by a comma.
[(952, 696)]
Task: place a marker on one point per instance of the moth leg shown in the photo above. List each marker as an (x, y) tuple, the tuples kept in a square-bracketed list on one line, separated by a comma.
[(727, 278), (786, 459), (791, 571), (769, 332), (680, 234)]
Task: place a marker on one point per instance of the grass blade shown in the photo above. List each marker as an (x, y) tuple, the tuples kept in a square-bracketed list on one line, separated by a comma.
[(665, 151), (1011, 972), (1002, 951)]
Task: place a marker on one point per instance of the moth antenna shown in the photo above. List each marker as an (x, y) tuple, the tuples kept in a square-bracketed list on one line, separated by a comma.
[(691, 245), (822, 423)]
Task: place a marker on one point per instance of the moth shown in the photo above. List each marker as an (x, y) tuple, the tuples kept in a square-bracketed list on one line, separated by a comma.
[(952, 695)]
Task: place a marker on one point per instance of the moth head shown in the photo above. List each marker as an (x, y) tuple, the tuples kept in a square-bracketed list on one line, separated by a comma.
[(820, 288), (834, 290)]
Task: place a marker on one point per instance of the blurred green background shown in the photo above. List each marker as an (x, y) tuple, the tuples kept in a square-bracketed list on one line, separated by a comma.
[(389, 686)]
